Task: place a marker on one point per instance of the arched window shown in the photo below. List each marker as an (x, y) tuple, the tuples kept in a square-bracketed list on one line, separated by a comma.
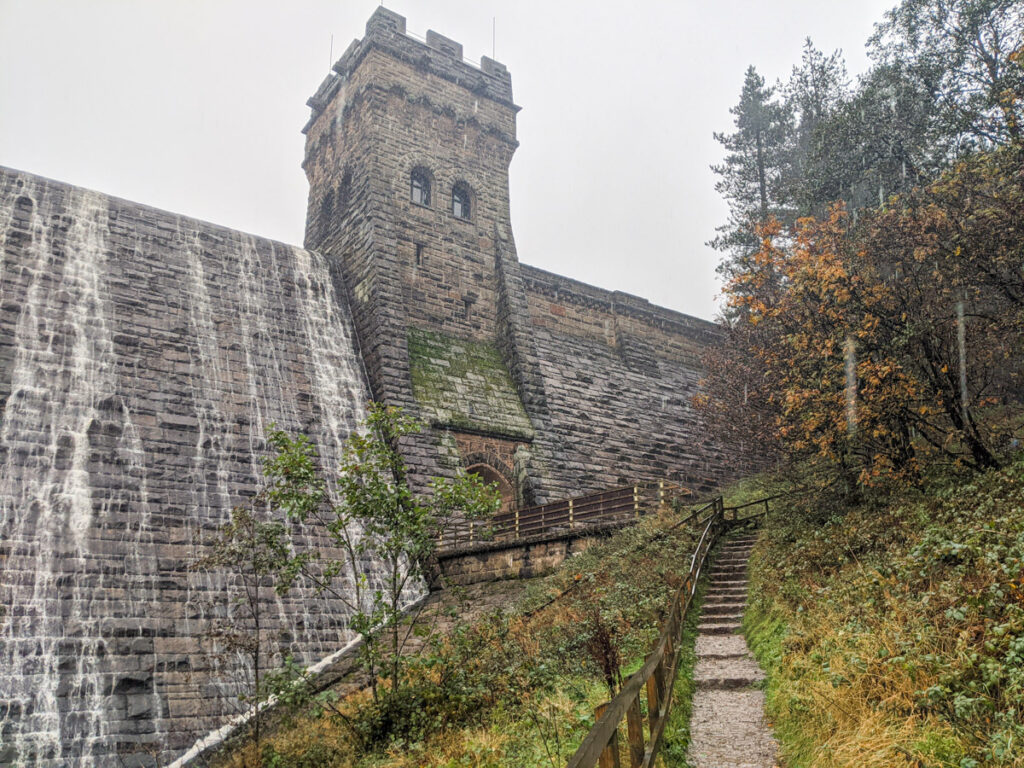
[(419, 187), (460, 201)]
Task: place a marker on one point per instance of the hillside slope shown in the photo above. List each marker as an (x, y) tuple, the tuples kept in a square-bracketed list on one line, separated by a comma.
[(893, 632)]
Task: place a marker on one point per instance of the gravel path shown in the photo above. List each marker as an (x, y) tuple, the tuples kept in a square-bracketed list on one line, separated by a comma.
[(727, 728)]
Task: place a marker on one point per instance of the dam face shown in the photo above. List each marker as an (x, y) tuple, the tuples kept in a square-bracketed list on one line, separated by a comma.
[(142, 357)]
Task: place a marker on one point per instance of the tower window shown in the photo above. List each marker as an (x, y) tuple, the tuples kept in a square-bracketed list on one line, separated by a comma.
[(419, 254), (460, 201), (419, 187)]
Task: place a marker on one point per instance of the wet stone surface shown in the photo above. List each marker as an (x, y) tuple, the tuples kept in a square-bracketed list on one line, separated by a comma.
[(728, 727)]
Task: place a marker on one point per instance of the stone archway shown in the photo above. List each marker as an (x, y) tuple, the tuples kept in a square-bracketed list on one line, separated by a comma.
[(489, 474)]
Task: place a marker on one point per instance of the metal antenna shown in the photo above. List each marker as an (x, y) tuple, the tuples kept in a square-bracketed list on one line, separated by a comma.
[(494, 35), (330, 63)]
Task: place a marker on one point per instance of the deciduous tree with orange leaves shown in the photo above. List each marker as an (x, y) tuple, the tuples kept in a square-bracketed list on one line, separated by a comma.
[(879, 347)]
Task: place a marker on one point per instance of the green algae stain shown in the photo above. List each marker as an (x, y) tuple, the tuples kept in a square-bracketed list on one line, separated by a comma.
[(465, 384)]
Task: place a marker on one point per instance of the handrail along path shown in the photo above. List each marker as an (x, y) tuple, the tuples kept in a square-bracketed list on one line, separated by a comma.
[(656, 678)]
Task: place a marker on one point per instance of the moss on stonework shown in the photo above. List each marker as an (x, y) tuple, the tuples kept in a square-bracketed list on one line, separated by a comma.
[(465, 385)]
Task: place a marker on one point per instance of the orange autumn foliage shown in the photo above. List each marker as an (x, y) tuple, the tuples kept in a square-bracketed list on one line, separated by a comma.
[(883, 294)]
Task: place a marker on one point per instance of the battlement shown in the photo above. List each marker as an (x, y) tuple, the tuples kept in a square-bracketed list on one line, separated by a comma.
[(437, 54)]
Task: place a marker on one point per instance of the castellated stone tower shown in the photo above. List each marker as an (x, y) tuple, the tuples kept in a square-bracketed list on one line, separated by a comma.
[(407, 155), (546, 385)]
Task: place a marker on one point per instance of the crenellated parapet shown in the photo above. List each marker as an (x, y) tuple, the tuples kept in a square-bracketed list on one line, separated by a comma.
[(436, 54)]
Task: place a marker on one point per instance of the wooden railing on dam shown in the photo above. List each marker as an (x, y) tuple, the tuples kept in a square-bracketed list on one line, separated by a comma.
[(568, 515)]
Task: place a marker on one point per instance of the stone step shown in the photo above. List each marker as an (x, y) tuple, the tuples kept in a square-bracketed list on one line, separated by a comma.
[(738, 566), (733, 598), (734, 602), (721, 646), (728, 730), (724, 683), (722, 656), (735, 672), (723, 609), (718, 627), (728, 572), (729, 584)]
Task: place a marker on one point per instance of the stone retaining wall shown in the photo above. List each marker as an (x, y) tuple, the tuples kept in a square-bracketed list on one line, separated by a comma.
[(520, 559)]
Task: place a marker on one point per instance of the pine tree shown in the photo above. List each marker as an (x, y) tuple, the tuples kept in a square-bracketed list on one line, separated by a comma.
[(753, 174), (878, 142), (816, 92)]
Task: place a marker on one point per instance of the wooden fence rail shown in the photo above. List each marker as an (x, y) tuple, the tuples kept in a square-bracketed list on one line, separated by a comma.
[(760, 508), (656, 679), (615, 505)]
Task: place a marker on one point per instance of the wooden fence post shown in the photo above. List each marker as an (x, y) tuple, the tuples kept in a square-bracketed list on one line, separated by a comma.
[(635, 733), (610, 753), (636, 501), (570, 513), (517, 522), (661, 493), (655, 686)]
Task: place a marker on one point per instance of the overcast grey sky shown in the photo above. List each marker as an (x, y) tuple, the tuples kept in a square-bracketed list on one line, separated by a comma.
[(196, 105)]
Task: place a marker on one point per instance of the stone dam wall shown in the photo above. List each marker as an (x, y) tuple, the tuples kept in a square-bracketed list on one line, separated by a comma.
[(619, 376), (142, 357)]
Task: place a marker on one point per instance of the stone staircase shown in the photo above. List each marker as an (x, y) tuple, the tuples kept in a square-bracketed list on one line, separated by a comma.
[(727, 727)]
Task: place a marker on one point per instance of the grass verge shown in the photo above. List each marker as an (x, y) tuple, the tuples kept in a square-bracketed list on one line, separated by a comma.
[(892, 631)]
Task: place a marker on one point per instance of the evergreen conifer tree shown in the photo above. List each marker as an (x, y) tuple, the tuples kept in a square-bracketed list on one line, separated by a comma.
[(752, 178)]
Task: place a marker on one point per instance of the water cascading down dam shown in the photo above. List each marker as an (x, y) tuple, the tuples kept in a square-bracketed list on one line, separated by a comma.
[(142, 357)]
